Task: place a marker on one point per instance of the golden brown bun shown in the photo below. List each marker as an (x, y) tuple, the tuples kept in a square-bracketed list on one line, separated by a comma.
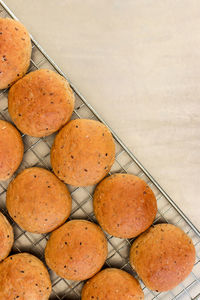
[(24, 277), (40, 103), (163, 256), (83, 152), (6, 237), (38, 201), (11, 150), (112, 284), (15, 51), (77, 250), (124, 205)]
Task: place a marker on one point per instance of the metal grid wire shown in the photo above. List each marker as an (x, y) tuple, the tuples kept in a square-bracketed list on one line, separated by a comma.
[(37, 153)]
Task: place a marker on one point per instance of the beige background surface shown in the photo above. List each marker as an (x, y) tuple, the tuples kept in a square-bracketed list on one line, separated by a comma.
[(138, 63)]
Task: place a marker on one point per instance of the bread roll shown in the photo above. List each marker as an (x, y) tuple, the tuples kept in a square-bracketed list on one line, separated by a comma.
[(23, 276), (41, 103), (124, 205), (11, 150), (15, 51), (38, 201), (77, 250), (112, 284), (6, 237), (83, 152), (163, 256)]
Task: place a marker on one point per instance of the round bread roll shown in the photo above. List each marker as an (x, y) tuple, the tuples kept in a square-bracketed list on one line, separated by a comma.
[(112, 284), (15, 51), (163, 256), (40, 103), (77, 250), (124, 205), (83, 152), (11, 150), (23, 276), (6, 237), (38, 201)]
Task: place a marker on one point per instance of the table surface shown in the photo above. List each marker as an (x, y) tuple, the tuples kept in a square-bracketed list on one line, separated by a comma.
[(138, 63)]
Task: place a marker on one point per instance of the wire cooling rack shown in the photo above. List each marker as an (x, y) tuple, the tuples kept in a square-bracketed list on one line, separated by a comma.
[(37, 153)]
